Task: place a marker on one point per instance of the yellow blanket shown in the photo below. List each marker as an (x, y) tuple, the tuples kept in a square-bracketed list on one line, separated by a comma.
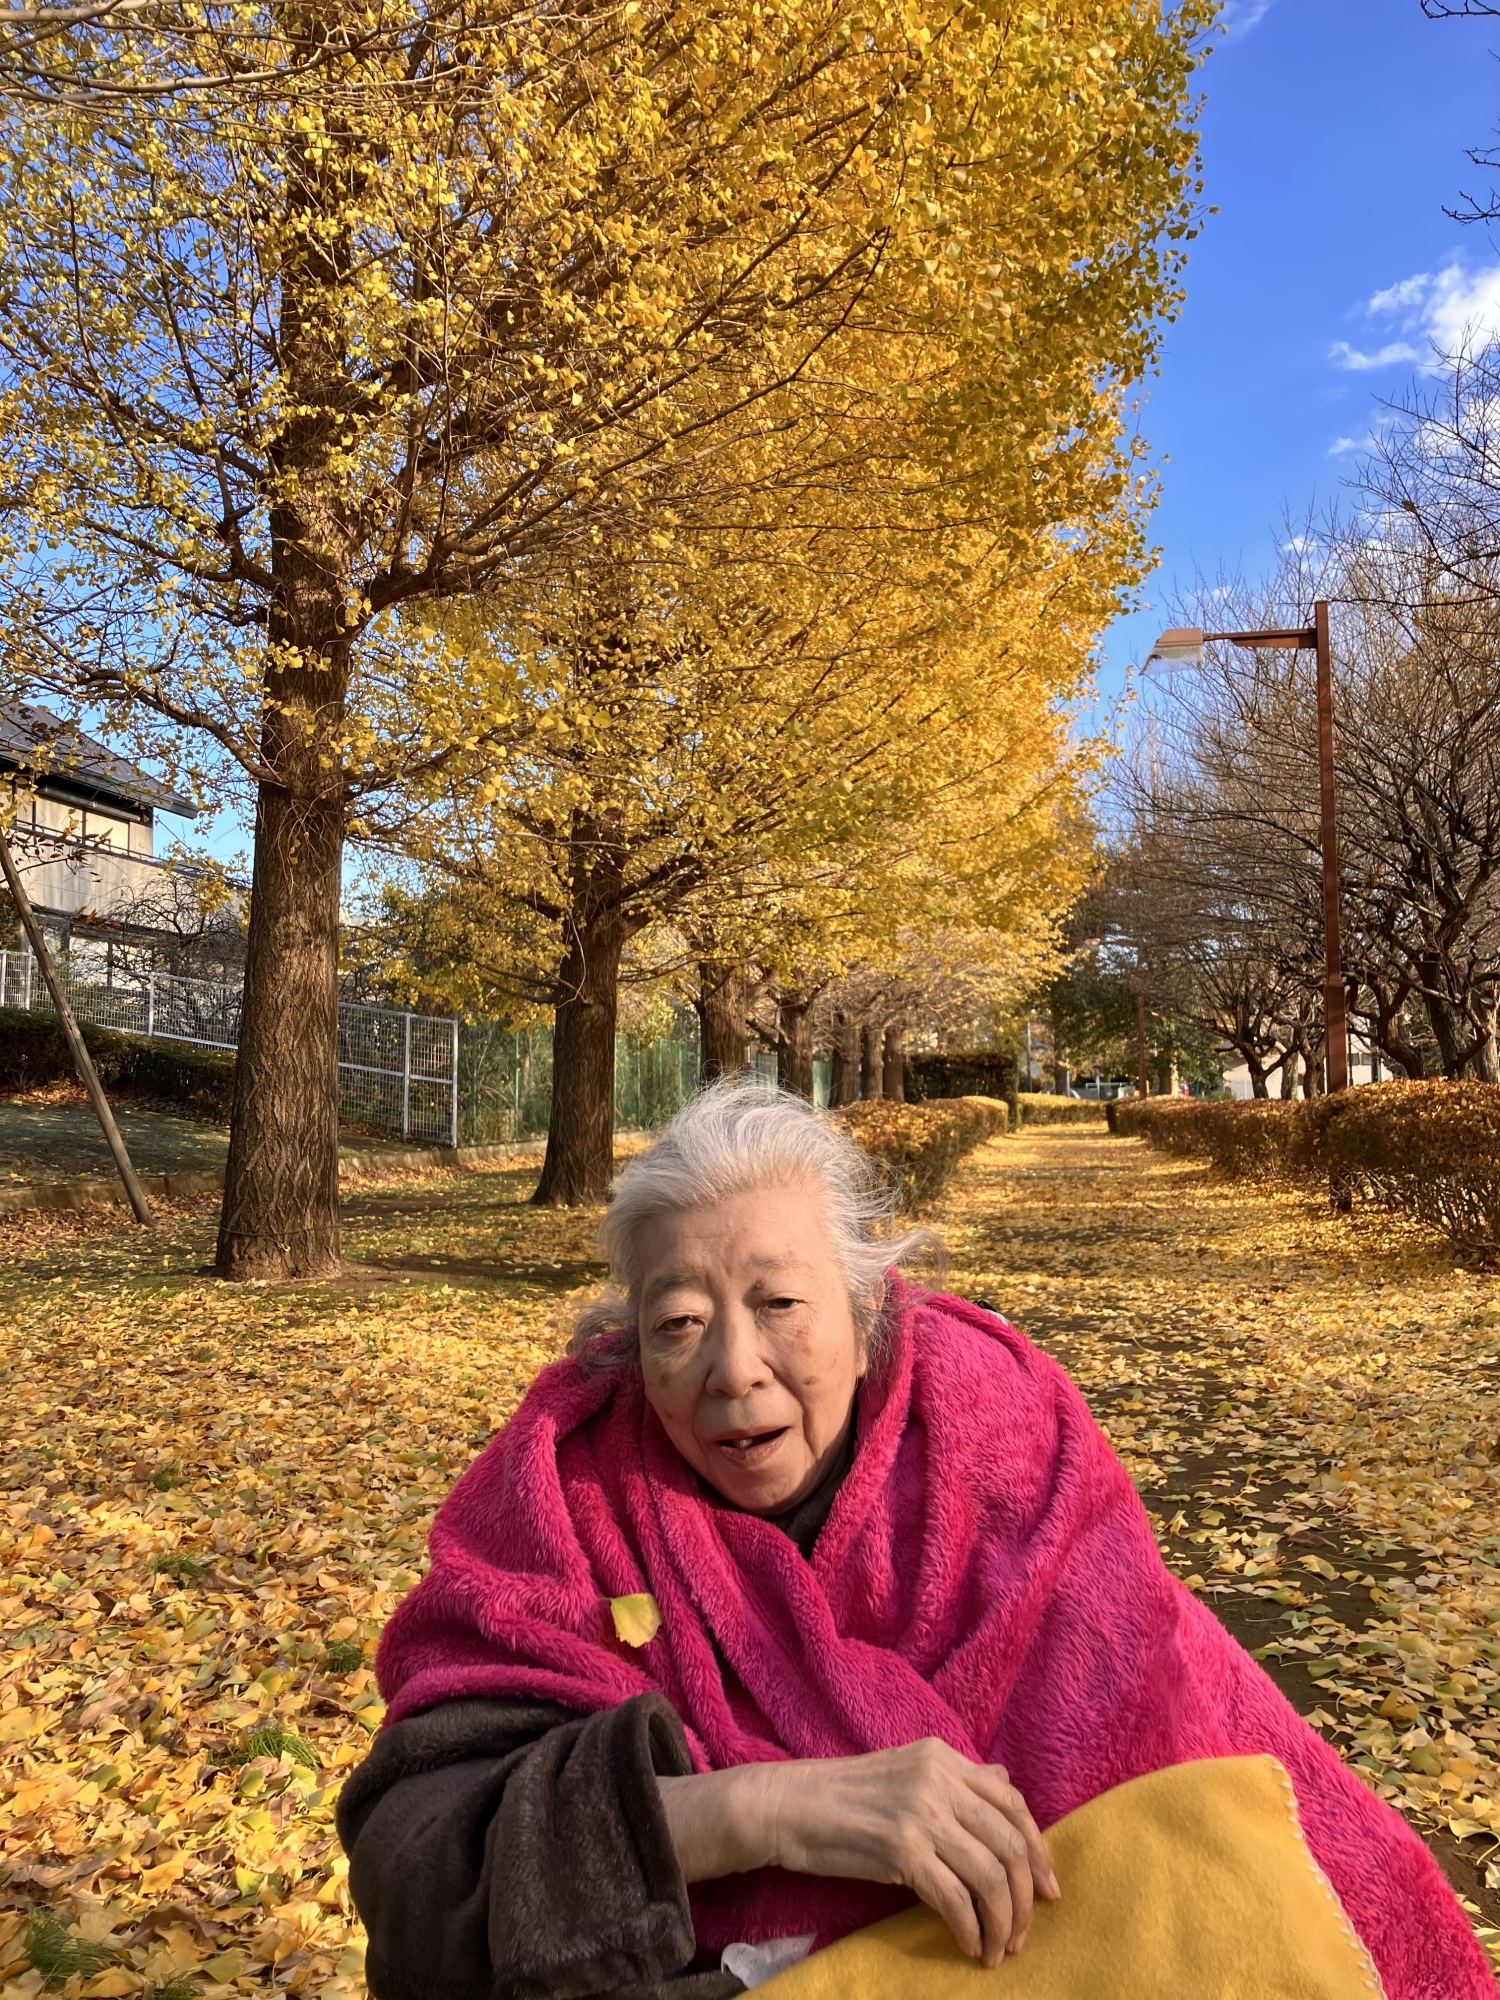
[(1192, 1884)]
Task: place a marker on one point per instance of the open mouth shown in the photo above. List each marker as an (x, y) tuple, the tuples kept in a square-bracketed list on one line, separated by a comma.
[(749, 1447)]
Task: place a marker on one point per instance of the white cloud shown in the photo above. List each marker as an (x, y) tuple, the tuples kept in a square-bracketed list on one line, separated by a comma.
[(1403, 297), (1240, 16), (1383, 357), (1464, 307), (1450, 309), (1343, 446)]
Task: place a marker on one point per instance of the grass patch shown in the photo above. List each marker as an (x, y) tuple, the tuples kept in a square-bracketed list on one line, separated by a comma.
[(271, 1739), (183, 1568), (59, 1955)]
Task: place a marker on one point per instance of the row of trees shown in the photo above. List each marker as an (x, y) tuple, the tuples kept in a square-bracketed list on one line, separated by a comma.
[(640, 464), (1212, 899)]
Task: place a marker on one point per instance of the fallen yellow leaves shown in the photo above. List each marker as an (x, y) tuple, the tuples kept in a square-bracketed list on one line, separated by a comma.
[(1310, 1406), (210, 1500)]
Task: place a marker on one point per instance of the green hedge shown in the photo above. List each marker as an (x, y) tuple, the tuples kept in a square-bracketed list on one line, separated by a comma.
[(1431, 1150), (1039, 1109), (34, 1051), (923, 1143)]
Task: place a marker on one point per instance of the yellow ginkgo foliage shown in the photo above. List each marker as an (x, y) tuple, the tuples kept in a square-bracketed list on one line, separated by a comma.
[(319, 319)]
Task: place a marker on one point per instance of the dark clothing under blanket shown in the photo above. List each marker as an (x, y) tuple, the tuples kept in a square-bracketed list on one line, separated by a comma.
[(508, 1850)]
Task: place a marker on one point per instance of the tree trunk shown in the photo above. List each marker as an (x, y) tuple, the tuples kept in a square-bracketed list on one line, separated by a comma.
[(872, 1059), (1313, 1076), (579, 1163), (893, 1065), (1258, 1071), (1394, 1043), (280, 1217), (721, 1020), (844, 1086), (794, 1043)]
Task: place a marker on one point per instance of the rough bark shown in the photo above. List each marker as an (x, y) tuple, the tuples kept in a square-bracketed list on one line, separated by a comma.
[(280, 1217), (872, 1059), (794, 1043), (893, 1064), (844, 1084), (579, 1162), (721, 1011), (1312, 1071)]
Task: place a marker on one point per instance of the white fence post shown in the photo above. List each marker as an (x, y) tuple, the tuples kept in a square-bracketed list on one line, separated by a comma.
[(150, 1004), (453, 1122), (406, 1076)]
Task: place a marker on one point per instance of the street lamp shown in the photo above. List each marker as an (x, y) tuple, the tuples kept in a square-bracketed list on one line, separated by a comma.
[(1185, 646)]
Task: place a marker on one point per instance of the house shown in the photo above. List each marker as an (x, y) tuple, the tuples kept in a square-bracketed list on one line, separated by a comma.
[(84, 834)]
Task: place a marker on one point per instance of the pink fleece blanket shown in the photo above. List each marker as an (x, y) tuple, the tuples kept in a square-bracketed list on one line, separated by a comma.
[(987, 1575)]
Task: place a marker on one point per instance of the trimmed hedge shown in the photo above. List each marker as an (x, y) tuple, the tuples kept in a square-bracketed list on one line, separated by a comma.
[(34, 1051), (923, 1143), (1431, 1150), (1037, 1108)]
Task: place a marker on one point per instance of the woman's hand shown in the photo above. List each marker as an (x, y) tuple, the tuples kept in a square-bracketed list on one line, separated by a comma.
[(957, 1834)]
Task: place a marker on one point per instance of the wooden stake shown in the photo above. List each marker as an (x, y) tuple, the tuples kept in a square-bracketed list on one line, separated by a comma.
[(81, 1057)]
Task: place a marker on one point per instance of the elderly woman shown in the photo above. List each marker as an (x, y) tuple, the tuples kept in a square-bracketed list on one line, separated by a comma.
[(796, 1596)]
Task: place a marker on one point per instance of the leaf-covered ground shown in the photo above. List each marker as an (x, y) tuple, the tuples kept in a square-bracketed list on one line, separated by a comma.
[(210, 1498), (1311, 1406)]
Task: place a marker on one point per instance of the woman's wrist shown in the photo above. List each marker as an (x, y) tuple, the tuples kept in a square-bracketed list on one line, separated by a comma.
[(723, 1822)]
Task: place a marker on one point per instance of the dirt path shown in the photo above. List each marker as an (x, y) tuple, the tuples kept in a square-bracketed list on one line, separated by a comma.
[(1309, 1406)]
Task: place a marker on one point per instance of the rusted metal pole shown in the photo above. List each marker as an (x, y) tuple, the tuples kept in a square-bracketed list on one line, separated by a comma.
[(1142, 1082), (1335, 1006), (81, 1057)]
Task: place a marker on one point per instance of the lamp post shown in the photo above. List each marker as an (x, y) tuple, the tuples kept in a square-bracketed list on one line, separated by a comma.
[(1186, 645)]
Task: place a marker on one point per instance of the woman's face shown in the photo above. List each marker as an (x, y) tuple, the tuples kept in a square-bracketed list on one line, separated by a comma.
[(748, 1345)]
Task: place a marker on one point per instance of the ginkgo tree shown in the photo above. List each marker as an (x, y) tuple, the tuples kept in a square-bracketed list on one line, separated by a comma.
[(317, 320), (775, 762)]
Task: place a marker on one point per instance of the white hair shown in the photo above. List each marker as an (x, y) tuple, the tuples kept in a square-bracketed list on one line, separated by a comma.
[(738, 1137)]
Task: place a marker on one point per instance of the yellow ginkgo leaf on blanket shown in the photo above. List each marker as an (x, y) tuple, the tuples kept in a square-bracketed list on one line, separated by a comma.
[(637, 1619)]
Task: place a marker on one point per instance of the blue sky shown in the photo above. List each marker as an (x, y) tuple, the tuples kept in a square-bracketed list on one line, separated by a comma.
[(1334, 131)]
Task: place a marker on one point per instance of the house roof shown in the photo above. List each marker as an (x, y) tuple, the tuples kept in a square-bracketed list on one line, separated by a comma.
[(36, 741)]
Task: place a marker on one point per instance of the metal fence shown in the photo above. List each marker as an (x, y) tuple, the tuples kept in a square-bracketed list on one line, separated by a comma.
[(506, 1081), (418, 1076), (398, 1072)]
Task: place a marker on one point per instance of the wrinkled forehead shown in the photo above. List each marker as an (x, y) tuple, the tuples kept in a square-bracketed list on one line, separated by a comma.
[(763, 1236)]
